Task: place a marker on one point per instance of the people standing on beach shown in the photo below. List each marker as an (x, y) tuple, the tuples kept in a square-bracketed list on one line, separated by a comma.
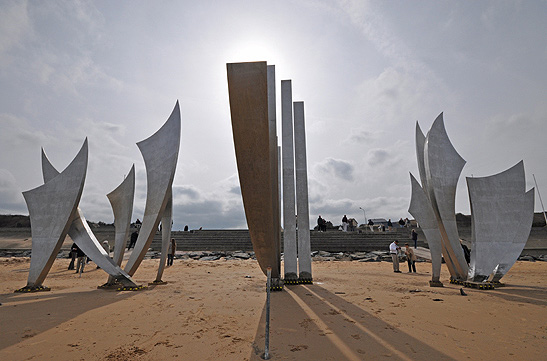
[(171, 254), (186, 228), (345, 223), (138, 224), (410, 258), (401, 223), (407, 222), (321, 224), (81, 259), (394, 252), (389, 225), (371, 225), (414, 235), (133, 240), (73, 252)]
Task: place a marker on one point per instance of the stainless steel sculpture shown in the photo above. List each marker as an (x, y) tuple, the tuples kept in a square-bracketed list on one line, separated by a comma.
[(502, 214), (304, 247), (256, 155), (289, 215), (421, 210), (443, 166), (83, 236), (501, 210), (160, 152), (52, 208), (166, 221), (121, 200)]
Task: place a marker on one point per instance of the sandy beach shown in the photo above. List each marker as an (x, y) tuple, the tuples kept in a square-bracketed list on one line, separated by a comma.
[(216, 311)]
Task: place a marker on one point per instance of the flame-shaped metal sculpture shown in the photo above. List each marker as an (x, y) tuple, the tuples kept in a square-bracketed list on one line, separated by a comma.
[(83, 236), (160, 152), (52, 208), (501, 214), (256, 154), (121, 200), (443, 166), (420, 208)]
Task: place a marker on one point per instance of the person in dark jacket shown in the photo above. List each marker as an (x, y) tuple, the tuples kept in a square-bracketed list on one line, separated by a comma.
[(81, 260)]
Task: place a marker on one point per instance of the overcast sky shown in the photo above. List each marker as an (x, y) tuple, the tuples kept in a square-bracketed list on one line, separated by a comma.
[(366, 71)]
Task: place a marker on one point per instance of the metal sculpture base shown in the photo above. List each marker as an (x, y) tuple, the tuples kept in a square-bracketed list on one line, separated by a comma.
[(33, 289), (305, 278), (435, 284), (290, 279), (138, 288), (479, 285), (276, 285), (110, 286), (457, 282), (156, 283)]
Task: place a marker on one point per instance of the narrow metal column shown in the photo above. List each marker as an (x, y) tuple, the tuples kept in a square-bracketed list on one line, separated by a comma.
[(304, 248), (274, 164), (289, 217)]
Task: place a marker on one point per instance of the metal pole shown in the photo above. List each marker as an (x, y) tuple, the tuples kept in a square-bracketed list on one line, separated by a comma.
[(364, 214), (540, 201), (267, 341)]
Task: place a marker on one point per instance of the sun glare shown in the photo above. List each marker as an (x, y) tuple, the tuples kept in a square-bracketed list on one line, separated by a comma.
[(253, 50)]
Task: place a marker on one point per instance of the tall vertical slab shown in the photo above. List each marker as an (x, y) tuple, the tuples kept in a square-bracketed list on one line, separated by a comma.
[(289, 216), (160, 152), (501, 214), (121, 200), (52, 208), (274, 160), (248, 93), (304, 247), (443, 167)]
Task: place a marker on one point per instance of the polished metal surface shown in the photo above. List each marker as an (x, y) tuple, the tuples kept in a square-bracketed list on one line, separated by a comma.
[(248, 95), (502, 215), (421, 210), (274, 160), (289, 201), (160, 152), (52, 208), (443, 166), (420, 145), (166, 221), (121, 200), (302, 205), (83, 236)]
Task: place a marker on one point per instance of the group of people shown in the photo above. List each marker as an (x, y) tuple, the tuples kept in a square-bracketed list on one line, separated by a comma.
[(81, 259), (394, 251)]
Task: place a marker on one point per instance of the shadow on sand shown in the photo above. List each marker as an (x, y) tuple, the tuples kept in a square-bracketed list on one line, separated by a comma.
[(309, 322), (42, 311), (522, 294)]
